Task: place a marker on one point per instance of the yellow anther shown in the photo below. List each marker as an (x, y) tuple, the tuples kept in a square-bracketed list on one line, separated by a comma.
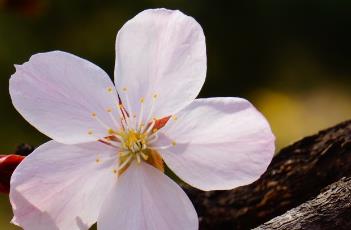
[(154, 130), (174, 143), (97, 160), (142, 100), (114, 171), (124, 89), (111, 131), (109, 110), (155, 96), (93, 114), (109, 89), (90, 132), (120, 106), (174, 118)]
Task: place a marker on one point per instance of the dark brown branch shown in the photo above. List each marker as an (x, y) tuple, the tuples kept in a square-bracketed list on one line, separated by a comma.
[(296, 174), (329, 210)]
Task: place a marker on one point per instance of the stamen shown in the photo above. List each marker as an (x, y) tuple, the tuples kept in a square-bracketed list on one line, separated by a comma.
[(116, 135), (107, 142), (164, 147), (121, 166), (123, 153), (103, 140), (145, 157), (170, 124), (136, 133), (154, 97), (109, 110), (109, 89), (154, 133), (94, 115), (134, 148), (138, 158), (151, 126), (142, 125), (123, 120), (153, 139), (141, 113), (90, 132), (129, 108), (111, 131)]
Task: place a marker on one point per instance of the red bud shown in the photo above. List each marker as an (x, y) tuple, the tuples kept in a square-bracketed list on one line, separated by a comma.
[(8, 164)]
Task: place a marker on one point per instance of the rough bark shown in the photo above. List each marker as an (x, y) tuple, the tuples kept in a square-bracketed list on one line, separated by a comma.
[(329, 210), (296, 174)]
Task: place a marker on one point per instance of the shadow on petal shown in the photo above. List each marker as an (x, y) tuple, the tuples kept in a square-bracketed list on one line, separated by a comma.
[(81, 224)]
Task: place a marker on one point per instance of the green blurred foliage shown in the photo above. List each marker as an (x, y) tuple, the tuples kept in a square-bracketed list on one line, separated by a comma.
[(290, 58)]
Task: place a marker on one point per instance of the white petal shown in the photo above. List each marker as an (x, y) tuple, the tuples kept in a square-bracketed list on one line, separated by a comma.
[(29, 216), (57, 93), (221, 143), (63, 185), (160, 52), (146, 199)]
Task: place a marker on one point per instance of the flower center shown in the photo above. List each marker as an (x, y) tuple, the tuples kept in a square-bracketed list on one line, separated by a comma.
[(134, 140), (133, 146)]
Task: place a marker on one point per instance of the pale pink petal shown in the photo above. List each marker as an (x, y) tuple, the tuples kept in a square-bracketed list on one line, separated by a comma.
[(146, 199), (160, 57), (30, 216), (64, 185), (58, 93), (220, 143)]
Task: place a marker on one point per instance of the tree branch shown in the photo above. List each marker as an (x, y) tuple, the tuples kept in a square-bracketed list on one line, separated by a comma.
[(329, 210), (296, 174)]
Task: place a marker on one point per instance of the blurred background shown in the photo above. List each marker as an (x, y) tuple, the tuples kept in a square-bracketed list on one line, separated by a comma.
[(291, 58)]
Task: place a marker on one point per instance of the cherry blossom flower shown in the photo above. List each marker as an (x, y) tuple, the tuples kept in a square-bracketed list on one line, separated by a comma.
[(105, 163)]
